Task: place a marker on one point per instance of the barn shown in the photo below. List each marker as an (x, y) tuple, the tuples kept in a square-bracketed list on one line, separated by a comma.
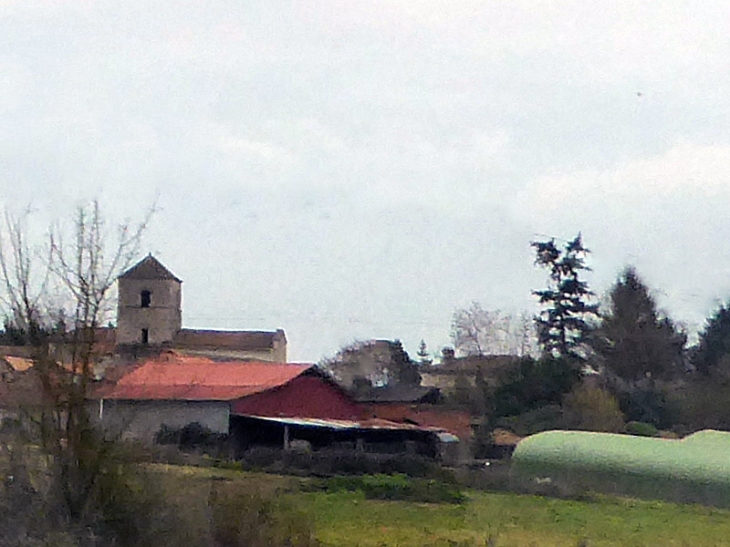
[(175, 390), (252, 402)]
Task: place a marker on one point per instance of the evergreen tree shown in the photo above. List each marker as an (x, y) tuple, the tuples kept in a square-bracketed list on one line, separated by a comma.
[(634, 339), (403, 368), (713, 351), (423, 355), (564, 324)]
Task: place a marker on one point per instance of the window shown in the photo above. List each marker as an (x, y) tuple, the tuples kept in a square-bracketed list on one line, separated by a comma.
[(146, 298), (145, 336)]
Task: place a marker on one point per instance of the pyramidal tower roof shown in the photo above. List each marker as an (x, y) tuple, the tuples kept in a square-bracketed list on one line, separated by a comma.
[(149, 268)]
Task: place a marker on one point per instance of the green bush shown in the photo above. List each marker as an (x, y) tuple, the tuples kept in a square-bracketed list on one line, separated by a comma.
[(592, 409), (397, 487), (534, 421), (641, 429), (324, 463)]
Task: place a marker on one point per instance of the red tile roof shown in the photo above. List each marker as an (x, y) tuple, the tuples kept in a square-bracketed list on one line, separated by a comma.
[(177, 377)]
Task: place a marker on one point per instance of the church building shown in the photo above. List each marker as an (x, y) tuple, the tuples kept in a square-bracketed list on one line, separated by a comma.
[(149, 317)]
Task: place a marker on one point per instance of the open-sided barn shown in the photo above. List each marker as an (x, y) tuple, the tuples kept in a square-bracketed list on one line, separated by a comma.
[(254, 402)]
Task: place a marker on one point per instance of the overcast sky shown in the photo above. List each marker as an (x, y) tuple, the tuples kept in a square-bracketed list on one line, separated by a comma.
[(356, 170)]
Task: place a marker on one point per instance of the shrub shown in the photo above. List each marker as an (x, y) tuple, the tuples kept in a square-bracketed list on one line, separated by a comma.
[(339, 462), (534, 384), (641, 429), (534, 421), (125, 504), (192, 436), (249, 519), (592, 409), (394, 487), (132, 508)]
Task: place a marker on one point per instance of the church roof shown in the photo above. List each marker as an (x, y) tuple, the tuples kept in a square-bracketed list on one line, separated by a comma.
[(218, 339), (149, 268)]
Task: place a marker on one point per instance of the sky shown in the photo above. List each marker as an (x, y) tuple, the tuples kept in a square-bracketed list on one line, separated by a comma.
[(357, 170)]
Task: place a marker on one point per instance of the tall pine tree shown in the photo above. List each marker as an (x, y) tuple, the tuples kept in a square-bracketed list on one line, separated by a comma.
[(634, 339), (568, 313), (713, 351)]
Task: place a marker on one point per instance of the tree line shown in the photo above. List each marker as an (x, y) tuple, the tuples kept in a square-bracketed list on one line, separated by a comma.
[(589, 366)]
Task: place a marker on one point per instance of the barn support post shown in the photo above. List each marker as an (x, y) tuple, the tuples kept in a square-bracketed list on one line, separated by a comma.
[(286, 437)]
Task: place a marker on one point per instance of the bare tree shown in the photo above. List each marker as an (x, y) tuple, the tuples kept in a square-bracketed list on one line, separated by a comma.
[(82, 266), (477, 331), (526, 335), (24, 280)]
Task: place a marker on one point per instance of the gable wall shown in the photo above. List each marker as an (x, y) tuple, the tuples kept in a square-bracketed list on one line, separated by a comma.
[(304, 397), (143, 419)]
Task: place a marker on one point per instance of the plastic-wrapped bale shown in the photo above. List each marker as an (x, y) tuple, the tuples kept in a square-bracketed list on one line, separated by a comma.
[(694, 469)]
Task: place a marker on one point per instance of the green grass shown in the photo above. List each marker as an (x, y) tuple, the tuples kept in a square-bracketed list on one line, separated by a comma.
[(510, 520), (513, 520)]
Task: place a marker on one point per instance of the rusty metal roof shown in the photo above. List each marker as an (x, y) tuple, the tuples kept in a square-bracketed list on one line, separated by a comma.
[(176, 377)]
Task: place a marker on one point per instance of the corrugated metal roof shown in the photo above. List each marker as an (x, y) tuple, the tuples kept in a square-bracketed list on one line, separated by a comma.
[(341, 425), (177, 377)]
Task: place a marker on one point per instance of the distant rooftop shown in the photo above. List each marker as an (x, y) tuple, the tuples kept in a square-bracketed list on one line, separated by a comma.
[(400, 394)]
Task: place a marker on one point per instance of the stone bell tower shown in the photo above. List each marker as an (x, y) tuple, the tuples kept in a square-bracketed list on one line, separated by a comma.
[(149, 306)]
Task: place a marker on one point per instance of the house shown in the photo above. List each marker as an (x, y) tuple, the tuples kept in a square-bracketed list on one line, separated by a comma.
[(24, 389), (454, 370), (373, 363), (149, 319)]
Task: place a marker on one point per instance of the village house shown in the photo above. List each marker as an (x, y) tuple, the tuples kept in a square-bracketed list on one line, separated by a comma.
[(455, 370)]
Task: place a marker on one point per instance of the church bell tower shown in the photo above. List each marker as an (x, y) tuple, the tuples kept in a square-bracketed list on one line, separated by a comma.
[(149, 305)]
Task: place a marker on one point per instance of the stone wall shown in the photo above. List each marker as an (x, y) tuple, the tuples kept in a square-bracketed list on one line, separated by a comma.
[(163, 317), (143, 419)]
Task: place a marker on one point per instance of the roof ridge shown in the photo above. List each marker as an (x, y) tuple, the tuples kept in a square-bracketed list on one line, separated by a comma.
[(149, 268)]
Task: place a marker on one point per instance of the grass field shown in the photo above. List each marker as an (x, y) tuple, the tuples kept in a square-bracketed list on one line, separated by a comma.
[(494, 519), (511, 520)]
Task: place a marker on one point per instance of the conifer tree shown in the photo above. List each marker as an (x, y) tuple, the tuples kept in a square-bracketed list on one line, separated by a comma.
[(568, 313), (713, 351), (423, 355), (634, 339)]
